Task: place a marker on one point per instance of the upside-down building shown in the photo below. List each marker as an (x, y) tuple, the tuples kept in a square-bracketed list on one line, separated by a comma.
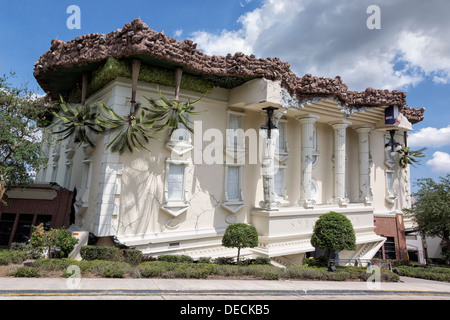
[(269, 148)]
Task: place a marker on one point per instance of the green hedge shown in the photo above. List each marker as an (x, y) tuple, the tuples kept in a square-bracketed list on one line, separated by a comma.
[(102, 268), (428, 273), (175, 258), (26, 272), (130, 256), (12, 256), (171, 270)]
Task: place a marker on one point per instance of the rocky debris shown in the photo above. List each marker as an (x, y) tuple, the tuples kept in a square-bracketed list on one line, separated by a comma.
[(374, 97), (137, 38), (413, 115)]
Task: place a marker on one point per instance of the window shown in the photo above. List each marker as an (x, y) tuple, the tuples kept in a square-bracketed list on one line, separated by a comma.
[(234, 199), (234, 125), (282, 143), (235, 153), (233, 183), (175, 182), (54, 172), (278, 183), (235, 130), (175, 192), (389, 248), (67, 174), (18, 227), (282, 150), (180, 141)]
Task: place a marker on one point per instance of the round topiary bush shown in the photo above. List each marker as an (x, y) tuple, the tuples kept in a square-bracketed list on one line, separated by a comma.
[(333, 231), (240, 235)]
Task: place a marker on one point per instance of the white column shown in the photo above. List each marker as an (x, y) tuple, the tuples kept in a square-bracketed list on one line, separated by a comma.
[(340, 129), (364, 169), (307, 123), (268, 169)]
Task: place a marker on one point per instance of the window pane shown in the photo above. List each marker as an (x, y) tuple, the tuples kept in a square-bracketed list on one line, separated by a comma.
[(233, 183), (234, 124), (281, 127), (175, 182), (23, 230), (389, 248), (45, 219), (278, 182), (6, 226)]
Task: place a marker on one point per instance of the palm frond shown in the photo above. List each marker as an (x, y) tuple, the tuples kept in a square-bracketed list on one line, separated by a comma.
[(170, 114), (134, 131), (408, 156), (80, 121)]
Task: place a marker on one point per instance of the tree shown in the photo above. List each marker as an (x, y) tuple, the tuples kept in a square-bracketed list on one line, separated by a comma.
[(60, 238), (431, 209), (333, 231), (240, 235), (20, 136)]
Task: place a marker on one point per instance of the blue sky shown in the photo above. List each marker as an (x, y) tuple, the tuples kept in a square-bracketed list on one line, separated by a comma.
[(410, 52)]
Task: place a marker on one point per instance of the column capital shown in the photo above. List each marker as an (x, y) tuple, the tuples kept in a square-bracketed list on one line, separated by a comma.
[(340, 124), (365, 129), (308, 118)]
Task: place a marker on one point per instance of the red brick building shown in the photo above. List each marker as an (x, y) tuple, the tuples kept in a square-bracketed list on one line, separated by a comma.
[(391, 226), (41, 203)]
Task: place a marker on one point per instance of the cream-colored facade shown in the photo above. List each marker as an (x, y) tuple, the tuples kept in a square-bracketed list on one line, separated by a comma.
[(180, 197)]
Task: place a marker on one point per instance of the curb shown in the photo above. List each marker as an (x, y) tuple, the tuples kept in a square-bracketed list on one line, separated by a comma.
[(212, 292)]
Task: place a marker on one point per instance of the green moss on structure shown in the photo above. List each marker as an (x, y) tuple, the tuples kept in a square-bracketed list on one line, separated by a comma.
[(114, 68)]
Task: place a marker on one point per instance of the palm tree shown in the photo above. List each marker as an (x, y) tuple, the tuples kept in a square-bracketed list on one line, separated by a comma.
[(134, 132), (171, 114), (408, 156), (80, 121)]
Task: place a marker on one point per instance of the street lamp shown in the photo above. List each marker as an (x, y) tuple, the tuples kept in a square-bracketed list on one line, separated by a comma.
[(392, 145)]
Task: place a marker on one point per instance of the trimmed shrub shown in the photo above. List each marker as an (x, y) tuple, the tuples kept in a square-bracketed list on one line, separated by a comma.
[(13, 256), (175, 258), (132, 256), (54, 264), (204, 260), (153, 269), (333, 231), (5, 258), (433, 273), (224, 260), (240, 235), (108, 269), (26, 272), (91, 253)]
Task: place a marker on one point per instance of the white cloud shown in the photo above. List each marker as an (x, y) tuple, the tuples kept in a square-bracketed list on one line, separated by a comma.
[(330, 38), (178, 33), (222, 44), (430, 137), (440, 162)]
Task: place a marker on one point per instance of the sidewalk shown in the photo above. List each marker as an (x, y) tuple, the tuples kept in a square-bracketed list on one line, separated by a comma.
[(88, 288)]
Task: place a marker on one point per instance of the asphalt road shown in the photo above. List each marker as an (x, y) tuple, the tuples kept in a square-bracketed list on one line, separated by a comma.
[(194, 289)]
